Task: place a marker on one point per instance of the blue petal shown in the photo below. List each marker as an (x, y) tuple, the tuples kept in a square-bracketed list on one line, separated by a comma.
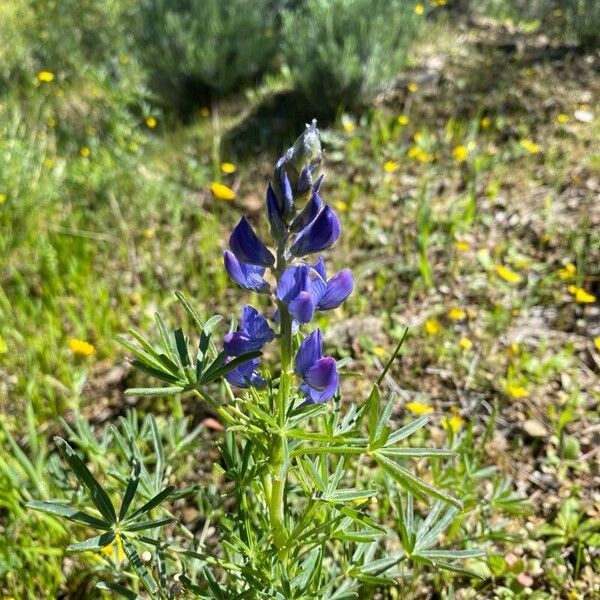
[(319, 267), (256, 326), (302, 307), (321, 374), (339, 287), (249, 277), (287, 197), (320, 234), (239, 342), (317, 185), (309, 353), (308, 214), (245, 375), (315, 396), (247, 246), (295, 279), (278, 228)]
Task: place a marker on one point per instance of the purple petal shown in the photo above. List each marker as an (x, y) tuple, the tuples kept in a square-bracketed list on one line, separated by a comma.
[(287, 197), (310, 351), (320, 234), (302, 307), (308, 214), (278, 228), (256, 326), (319, 267), (315, 396), (247, 246), (249, 277), (239, 342), (305, 179), (339, 287), (317, 185), (245, 375), (320, 375), (294, 280)]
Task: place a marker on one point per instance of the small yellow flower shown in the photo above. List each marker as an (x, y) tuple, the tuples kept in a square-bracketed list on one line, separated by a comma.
[(456, 314), (432, 326), (205, 112), (228, 168), (221, 192), (151, 122), (348, 124), (84, 151), (81, 347), (453, 423), (568, 271), (508, 274), (149, 233), (419, 154), (341, 206), (562, 118), (379, 351), (418, 408), (485, 122), (48, 163), (45, 76), (2, 198), (530, 146), (514, 348), (403, 120), (597, 343), (440, 2), (465, 343), (419, 9), (390, 166), (412, 86), (110, 549), (418, 136), (517, 392), (460, 153), (51, 122), (462, 246), (124, 59), (581, 295)]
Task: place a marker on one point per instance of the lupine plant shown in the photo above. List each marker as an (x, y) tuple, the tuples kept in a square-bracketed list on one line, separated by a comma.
[(304, 475)]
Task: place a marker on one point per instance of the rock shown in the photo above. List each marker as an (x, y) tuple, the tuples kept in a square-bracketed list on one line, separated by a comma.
[(534, 428)]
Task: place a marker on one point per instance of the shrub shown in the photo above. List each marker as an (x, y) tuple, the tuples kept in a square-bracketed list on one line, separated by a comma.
[(342, 52), (194, 47)]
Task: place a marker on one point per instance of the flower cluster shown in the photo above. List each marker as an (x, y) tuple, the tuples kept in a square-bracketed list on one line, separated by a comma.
[(301, 225)]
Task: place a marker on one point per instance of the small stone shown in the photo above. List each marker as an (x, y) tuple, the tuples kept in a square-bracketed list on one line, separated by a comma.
[(534, 428), (585, 116)]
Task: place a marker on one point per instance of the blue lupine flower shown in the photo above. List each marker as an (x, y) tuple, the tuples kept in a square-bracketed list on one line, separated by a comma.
[(248, 247), (245, 375), (308, 214), (294, 290), (319, 374), (275, 215), (330, 293), (254, 332), (319, 234), (249, 277)]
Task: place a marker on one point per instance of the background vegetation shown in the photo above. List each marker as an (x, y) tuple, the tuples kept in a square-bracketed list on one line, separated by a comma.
[(466, 168)]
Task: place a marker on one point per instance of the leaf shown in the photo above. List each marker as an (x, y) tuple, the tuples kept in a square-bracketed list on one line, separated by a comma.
[(152, 503), (97, 494), (143, 525), (138, 565), (159, 391), (307, 571), (411, 482), (159, 451), (54, 507), (182, 349), (392, 358), (155, 372), (213, 373), (96, 543), (417, 452), (110, 586), (407, 430), (131, 489), (349, 495)]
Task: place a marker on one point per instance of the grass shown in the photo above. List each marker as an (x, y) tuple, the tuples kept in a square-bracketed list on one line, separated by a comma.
[(489, 254)]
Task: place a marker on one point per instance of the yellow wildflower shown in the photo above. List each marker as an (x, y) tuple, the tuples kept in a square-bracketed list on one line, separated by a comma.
[(348, 124), (412, 86), (341, 206), (205, 111), (379, 351), (149, 233), (418, 408), (84, 151), (456, 314), (45, 76), (81, 347), (151, 122), (517, 391), (440, 2), (228, 168), (403, 120), (581, 295), (568, 271), (514, 348), (418, 136), (462, 246), (453, 423), (460, 153), (110, 549), (419, 154), (432, 326), (390, 166), (465, 343), (51, 122), (562, 118), (48, 163), (508, 274), (530, 146), (419, 9), (221, 192), (2, 198), (485, 122), (597, 343)]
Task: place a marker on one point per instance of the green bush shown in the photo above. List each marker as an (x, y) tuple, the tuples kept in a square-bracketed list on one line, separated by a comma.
[(342, 52), (200, 48), (583, 20)]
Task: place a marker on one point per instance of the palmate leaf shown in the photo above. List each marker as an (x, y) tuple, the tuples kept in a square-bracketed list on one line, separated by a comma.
[(55, 507), (131, 489), (152, 503), (93, 544), (95, 491)]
